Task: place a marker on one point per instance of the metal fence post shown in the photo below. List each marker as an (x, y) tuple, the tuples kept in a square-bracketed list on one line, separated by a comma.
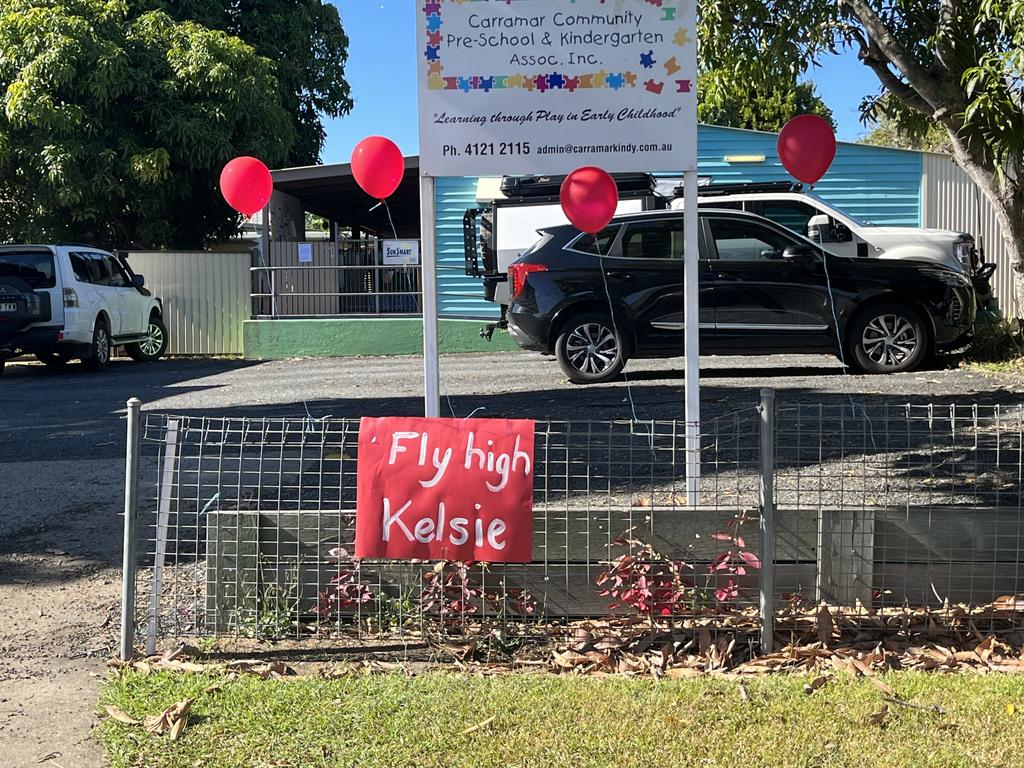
[(131, 509), (767, 498)]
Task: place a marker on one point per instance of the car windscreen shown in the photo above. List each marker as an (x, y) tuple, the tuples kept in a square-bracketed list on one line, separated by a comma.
[(34, 267)]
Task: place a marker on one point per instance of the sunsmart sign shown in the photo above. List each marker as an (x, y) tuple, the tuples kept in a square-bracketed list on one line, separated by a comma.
[(545, 86), (445, 489), (400, 253)]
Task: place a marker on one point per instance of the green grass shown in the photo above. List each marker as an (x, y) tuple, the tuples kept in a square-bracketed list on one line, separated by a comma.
[(395, 721)]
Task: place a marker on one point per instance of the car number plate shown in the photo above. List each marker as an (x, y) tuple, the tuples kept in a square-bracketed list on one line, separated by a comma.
[(8, 306)]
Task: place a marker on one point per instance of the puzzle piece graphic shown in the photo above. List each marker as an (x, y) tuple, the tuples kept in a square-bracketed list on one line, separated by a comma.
[(647, 59), (434, 38), (432, 9), (556, 81), (433, 53), (669, 14), (572, 83), (540, 82), (682, 37), (433, 23), (685, 86), (451, 83), (514, 81), (485, 84), (587, 81), (672, 66), (631, 79), (600, 79), (500, 82), (435, 83), (654, 87), (616, 81), (435, 68)]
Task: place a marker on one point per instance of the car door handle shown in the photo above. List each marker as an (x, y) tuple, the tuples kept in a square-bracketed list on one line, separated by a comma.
[(620, 275)]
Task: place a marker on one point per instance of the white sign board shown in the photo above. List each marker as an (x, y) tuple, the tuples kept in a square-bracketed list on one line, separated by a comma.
[(403, 253), (547, 86), (305, 253)]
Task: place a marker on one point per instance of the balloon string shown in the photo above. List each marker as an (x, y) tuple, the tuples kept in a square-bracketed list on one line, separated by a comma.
[(387, 208)]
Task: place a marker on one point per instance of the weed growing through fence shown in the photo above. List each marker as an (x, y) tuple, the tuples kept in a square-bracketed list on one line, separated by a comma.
[(348, 594), (272, 612)]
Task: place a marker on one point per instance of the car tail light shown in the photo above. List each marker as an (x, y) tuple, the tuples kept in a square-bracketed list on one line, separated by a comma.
[(70, 297), (519, 272)]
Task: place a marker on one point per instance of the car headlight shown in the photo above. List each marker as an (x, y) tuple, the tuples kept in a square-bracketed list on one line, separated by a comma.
[(963, 251)]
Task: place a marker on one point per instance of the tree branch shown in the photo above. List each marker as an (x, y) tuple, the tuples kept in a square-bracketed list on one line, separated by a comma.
[(926, 86), (949, 12), (874, 59)]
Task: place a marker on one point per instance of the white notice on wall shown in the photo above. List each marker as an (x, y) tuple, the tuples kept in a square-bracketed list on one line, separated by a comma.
[(401, 253), (305, 253), (545, 86)]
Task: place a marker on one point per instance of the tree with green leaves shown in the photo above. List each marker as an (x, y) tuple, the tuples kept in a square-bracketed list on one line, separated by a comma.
[(727, 98), (956, 64), (306, 41), (887, 132), (115, 121)]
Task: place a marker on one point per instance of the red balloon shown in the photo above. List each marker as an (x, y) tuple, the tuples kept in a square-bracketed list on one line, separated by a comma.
[(807, 147), (378, 166), (247, 185), (589, 198)]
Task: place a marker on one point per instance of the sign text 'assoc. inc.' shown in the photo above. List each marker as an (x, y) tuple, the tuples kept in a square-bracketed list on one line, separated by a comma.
[(545, 86), (445, 489)]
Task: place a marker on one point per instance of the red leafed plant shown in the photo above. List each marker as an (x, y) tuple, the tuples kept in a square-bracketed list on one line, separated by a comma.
[(646, 581), (732, 562), (347, 591), (449, 594)]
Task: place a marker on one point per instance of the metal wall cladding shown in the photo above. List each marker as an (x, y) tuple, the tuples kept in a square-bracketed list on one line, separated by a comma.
[(205, 297), (951, 200)]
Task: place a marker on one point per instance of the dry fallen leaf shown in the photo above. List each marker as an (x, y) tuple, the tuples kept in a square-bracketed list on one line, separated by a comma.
[(172, 720), (879, 717), (120, 715), (478, 726), (815, 684)]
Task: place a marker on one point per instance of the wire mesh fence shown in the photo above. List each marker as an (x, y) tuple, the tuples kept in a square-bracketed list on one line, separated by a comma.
[(246, 526)]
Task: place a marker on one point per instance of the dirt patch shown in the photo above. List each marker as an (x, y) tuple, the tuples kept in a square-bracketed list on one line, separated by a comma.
[(59, 599)]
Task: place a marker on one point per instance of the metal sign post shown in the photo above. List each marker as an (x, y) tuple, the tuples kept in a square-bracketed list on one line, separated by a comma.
[(691, 304), (428, 277)]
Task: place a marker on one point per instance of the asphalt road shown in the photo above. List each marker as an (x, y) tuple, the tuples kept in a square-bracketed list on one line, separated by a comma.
[(74, 414)]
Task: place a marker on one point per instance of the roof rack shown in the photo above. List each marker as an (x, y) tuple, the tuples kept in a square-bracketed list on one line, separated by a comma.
[(736, 188)]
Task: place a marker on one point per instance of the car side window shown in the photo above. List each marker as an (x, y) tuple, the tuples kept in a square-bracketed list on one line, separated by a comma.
[(118, 277), (659, 239), (742, 240), (80, 265), (789, 214), (600, 245)]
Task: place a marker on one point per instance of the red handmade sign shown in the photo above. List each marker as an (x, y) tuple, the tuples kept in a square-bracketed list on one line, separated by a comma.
[(445, 489)]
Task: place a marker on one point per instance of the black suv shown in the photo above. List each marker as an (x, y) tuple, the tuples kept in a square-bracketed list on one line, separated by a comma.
[(763, 289)]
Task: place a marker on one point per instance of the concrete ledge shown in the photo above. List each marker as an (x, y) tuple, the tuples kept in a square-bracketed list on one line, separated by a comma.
[(361, 337)]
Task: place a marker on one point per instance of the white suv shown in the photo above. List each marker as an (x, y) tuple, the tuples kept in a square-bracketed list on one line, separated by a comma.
[(61, 302), (788, 205)]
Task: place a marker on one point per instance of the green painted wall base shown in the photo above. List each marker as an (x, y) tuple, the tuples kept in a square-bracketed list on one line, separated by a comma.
[(281, 339)]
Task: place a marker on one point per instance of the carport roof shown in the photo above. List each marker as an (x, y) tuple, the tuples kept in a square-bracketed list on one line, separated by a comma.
[(331, 191)]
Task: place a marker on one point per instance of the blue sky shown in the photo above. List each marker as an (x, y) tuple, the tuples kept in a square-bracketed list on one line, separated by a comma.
[(382, 72)]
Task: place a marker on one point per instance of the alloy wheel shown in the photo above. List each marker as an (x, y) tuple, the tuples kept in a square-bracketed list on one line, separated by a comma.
[(102, 345), (592, 348), (154, 341), (890, 340)]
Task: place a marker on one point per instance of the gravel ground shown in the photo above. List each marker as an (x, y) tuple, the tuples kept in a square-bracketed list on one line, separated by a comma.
[(61, 470)]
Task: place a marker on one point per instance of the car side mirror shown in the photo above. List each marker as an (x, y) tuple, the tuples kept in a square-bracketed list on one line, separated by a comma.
[(841, 233), (800, 253), (820, 230), (138, 281)]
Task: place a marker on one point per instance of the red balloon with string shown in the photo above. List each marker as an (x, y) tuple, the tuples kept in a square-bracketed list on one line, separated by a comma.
[(378, 166), (589, 197), (247, 185), (807, 147)]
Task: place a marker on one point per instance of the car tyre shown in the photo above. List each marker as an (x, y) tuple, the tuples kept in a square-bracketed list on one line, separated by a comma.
[(3, 363), (888, 338), (101, 349), (154, 347), (589, 351)]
